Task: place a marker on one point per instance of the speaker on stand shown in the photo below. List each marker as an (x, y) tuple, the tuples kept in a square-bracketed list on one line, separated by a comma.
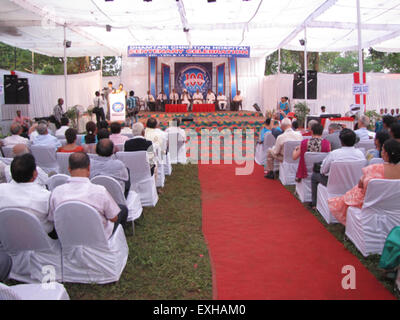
[(10, 89), (299, 86), (22, 91)]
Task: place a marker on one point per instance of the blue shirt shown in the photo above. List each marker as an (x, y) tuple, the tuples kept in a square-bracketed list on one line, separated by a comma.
[(46, 140)]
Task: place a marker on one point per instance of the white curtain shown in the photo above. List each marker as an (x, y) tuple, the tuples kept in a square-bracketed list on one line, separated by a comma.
[(44, 90), (335, 91)]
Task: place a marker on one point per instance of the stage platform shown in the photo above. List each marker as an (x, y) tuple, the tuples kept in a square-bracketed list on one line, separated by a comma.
[(208, 120)]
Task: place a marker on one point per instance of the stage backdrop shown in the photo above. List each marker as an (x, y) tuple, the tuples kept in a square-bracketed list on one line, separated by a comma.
[(193, 76)]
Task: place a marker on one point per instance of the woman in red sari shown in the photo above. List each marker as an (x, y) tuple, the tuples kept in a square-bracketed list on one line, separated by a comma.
[(315, 144), (390, 169)]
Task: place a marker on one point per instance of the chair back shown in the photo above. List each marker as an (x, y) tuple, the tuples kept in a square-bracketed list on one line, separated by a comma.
[(344, 175), (288, 149), (383, 195), (60, 136), (8, 151), (376, 161), (138, 164), (119, 147), (312, 157), (57, 180), (45, 157), (79, 139), (7, 293), (63, 141), (22, 231), (269, 141), (6, 161), (79, 224), (62, 160), (112, 186), (129, 135), (366, 144)]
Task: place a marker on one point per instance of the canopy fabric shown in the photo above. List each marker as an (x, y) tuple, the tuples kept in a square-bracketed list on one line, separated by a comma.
[(264, 25)]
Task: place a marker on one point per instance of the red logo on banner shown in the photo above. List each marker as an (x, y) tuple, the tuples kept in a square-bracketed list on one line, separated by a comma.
[(192, 79)]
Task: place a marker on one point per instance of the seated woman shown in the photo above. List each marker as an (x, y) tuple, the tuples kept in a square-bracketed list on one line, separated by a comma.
[(71, 145), (89, 140), (315, 144), (380, 139), (265, 129), (355, 197)]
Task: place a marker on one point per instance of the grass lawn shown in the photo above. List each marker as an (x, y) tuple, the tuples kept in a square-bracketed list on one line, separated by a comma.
[(168, 257), (371, 262)]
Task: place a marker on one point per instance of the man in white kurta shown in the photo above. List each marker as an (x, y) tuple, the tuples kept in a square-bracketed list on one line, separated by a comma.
[(186, 98), (197, 97), (238, 99), (150, 101), (221, 101), (173, 97), (210, 97)]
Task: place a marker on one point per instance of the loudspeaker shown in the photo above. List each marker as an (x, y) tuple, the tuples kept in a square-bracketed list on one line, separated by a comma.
[(298, 89), (10, 89), (312, 74), (22, 91)]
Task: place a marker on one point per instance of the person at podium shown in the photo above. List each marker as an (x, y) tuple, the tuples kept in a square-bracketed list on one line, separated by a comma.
[(222, 102), (150, 101), (161, 100), (237, 102), (197, 97), (186, 98), (174, 97), (210, 97)]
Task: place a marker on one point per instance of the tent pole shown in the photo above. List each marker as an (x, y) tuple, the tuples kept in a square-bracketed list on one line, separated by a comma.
[(65, 68), (360, 53), (305, 66), (101, 70)]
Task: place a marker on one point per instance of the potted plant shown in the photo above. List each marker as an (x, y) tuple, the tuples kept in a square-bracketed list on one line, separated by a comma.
[(73, 114), (301, 111)]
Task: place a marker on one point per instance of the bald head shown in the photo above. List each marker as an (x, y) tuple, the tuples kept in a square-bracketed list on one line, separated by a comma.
[(79, 165), (105, 148), (285, 124), (20, 149)]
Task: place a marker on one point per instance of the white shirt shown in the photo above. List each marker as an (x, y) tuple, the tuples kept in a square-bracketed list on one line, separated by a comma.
[(14, 140), (61, 131), (211, 97), (110, 167), (158, 137), (30, 197), (162, 97), (149, 98), (288, 135), (221, 98), (237, 98), (363, 134), (342, 154), (46, 140), (185, 97), (96, 196), (181, 133), (174, 96), (197, 96)]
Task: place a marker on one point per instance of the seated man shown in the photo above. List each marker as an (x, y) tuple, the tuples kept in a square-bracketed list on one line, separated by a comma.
[(210, 97), (362, 132), (197, 97), (105, 164), (23, 192), (346, 153), (276, 152), (140, 143), (64, 127), (24, 122), (150, 101), (185, 98), (19, 150), (116, 137), (276, 129), (333, 136), (15, 138), (308, 133), (161, 101), (222, 101), (237, 102), (44, 138), (79, 188), (174, 97), (156, 135)]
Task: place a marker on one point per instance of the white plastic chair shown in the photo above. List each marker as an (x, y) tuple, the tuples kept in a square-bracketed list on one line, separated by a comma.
[(343, 176), (6, 161), (119, 147), (303, 188), (261, 149), (24, 239), (57, 180), (88, 257), (177, 149), (369, 226), (160, 173), (8, 151), (63, 141), (45, 158), (376, 161), (167, 164), (142, 181), (133, 203), (54, 291), (288, 168), (366, 144), (62, 160)]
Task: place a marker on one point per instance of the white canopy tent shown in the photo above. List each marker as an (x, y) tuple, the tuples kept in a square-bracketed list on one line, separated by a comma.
[(264, 25)]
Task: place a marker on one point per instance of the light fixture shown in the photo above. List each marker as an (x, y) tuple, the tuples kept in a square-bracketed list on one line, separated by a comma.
[(67, 43), (108, 28), (302, 42)]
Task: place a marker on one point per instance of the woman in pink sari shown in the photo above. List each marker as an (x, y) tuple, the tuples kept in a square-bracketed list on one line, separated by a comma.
[(355, 197), (315, 144)]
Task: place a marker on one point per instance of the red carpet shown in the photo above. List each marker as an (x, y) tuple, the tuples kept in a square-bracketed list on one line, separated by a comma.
[(265, 245)]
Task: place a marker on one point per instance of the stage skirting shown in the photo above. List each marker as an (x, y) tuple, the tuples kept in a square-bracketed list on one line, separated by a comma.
[(201, 107)]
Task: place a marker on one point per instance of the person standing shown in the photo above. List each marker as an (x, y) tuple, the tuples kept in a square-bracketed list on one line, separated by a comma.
[(98, 110), (109, 90), (58, 112), (284, 108), (132, 108)]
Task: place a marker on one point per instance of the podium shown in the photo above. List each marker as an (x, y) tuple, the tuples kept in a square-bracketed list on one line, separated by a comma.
[(117, 107)]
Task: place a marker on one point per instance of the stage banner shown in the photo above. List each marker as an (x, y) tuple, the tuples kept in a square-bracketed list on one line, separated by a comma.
[(193, 76), (186, 51), (166, 78), (233, 77), (153, 77), (117, 107), (221, 79)]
